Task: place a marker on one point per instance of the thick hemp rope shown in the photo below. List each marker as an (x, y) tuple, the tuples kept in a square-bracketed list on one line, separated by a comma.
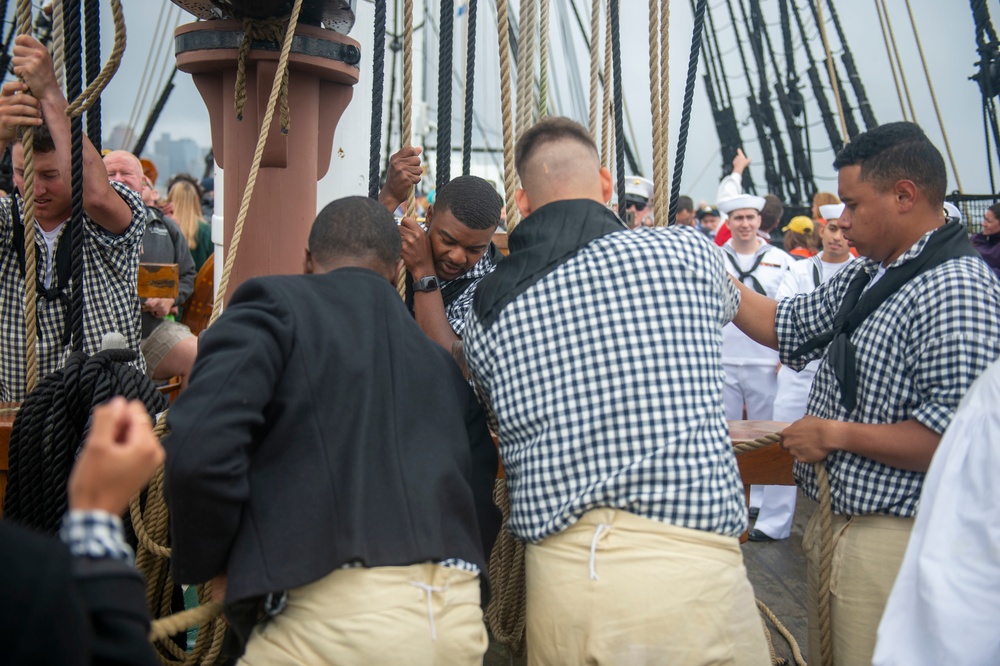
[(378, 86), (664, 153), (654, 109), (406, 124), (269, 30), (28, 217), (595, 66), (470, 79), (606, 122), (675, 189), (526, 66), (506, 112), (506, 612), (543, 59)]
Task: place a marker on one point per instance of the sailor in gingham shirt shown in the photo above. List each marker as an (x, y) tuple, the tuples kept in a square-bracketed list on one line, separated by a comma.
[(605, 377), (916, 356)]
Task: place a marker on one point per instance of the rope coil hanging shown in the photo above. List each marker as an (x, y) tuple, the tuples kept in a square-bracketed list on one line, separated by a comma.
[(268, 30)]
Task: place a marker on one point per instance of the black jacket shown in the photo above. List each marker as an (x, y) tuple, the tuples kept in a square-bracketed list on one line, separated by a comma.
[(68, 611), (322, 427)]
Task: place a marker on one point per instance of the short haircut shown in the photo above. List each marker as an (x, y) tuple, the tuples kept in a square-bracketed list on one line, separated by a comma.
[(771, 213), (553, 128), (472, 200), (995, 209), (356, 227), (897, 151), (41, 140), (685, 203)]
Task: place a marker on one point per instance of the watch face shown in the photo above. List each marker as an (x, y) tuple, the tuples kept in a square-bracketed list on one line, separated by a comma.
[(429, 283)]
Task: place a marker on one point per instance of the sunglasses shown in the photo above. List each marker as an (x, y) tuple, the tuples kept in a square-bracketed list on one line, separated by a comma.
[(639, 207)]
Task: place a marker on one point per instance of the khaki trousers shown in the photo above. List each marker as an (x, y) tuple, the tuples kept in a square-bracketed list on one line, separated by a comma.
[(619, 589), (421, 614), (867, 553)]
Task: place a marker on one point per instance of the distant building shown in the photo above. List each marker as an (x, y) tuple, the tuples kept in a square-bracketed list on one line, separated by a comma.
[(174, 156), (121, 138)]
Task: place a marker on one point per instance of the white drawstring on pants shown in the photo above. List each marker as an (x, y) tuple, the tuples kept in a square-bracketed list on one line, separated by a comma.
[(430, 589), (601, 529)]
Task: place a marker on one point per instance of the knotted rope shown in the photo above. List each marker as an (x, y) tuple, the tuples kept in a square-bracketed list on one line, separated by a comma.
[(506, 611), (50, 427), (279, 88), (267, 30), (506, 112)]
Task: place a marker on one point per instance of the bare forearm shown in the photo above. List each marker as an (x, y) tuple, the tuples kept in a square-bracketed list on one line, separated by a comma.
[(428, 308), (756, 316), (906, 445)]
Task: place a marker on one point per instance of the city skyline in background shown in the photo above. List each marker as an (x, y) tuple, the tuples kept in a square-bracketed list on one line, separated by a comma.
[(170, 155)]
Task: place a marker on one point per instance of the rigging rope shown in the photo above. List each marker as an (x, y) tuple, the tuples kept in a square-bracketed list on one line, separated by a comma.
[(92, 20), (595, 65), (74, 86), (470, 87), (28, 217), (378, 85), (606, 122), (675, 190), (930, 87), (509, 175), (543, 60), (58, 43), (526, 66), (446, 56), (616, 65), (663, 154), (899, 61), (654, 109), (406, 128), (830, 69)]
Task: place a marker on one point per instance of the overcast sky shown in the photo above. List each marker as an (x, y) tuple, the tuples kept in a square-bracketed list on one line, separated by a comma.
[(945, 27)]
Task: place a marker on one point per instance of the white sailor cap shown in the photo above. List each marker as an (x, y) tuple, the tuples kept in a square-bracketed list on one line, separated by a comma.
[(952, 212), (831, 211), (731, 204), (636, 186)]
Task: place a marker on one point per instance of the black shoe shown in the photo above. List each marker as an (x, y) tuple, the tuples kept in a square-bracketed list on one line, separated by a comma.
[(754, 512), (757, 535)]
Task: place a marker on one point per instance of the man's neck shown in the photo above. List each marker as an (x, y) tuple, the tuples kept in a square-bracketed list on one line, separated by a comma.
[(746, 247), (49, 225), (836, 259), (910, 238)]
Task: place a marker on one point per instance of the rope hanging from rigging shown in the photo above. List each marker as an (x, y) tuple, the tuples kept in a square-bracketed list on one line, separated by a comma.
[(92, 21), (606, 122), (595, 66), (675, 189), (543, 59), (506, 112), (616, 66), (74, 86), (470, 87), (526, 65), (446, 54), (378, 85), (24, 20), (654, 109), (930, 87)]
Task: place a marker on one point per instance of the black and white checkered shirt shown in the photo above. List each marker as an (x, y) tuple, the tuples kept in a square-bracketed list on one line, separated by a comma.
[(605, 379), (916, 356), (457, 310), (95, 534), (111, 304)]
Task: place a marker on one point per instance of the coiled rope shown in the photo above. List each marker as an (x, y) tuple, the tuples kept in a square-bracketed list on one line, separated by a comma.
[(269, 30), (506, 614), (675, 188), (50, 427), (470, 79), (378, 84)]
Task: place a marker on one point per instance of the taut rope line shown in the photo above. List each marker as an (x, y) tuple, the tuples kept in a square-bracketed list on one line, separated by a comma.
[(892, 62), (595, 65), (829, 69), (654, 108), (506, 112), (28, 217)]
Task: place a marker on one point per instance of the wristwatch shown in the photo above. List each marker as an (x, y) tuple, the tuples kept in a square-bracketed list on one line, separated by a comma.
[(429, 283)]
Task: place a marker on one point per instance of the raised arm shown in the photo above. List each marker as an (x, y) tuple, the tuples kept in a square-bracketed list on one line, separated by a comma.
[(100, 201), (404, 172)]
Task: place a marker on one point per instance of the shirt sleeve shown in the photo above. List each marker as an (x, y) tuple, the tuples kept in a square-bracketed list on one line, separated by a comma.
[(95, 534), (803, 317), (730, 186), (133, 235)]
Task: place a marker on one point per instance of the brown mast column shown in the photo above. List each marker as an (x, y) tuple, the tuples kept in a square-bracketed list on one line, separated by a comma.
[(323, 68)]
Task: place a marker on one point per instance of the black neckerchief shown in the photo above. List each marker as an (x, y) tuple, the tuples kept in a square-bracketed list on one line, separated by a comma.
[(949, 241), (743, 275), (62, 269), (543, 241), (456, 287)]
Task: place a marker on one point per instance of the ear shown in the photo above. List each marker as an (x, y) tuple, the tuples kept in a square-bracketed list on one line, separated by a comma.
[(307, 262), (607, 186), (428, 216), (906, 192), (523, 204), (392, 273)]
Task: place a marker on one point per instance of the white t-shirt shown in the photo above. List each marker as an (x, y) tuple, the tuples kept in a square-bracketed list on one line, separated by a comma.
[(737, 348), (50, 243)]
